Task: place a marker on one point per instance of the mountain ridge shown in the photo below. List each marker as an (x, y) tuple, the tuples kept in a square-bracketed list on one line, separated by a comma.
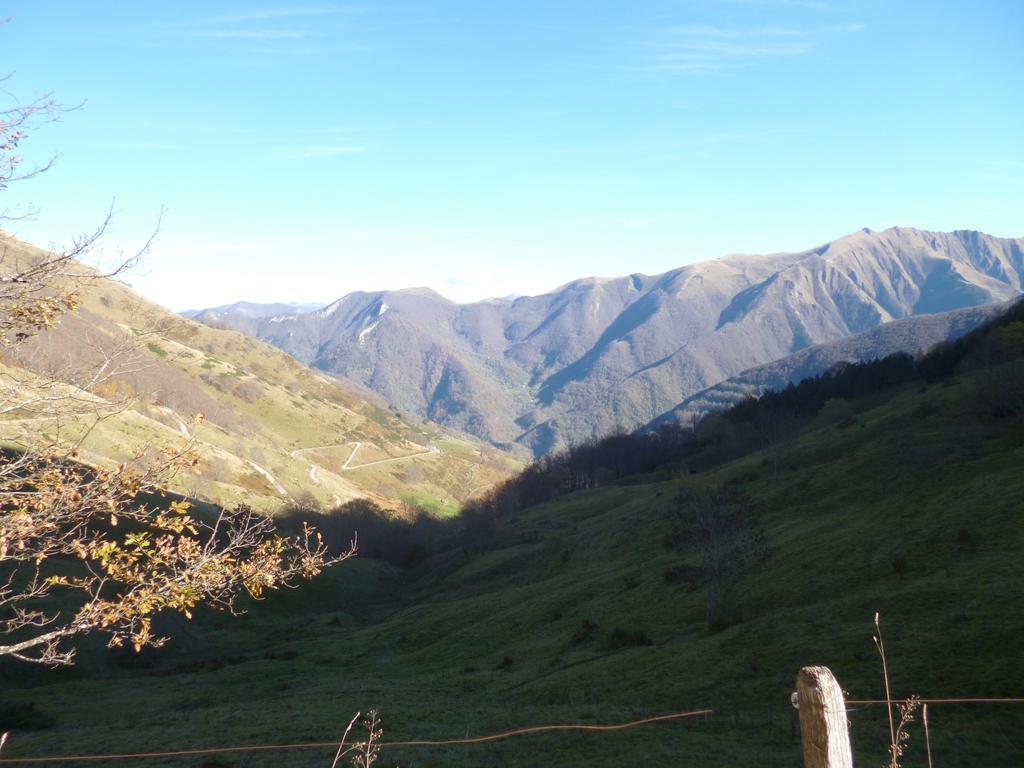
[(599, 354)]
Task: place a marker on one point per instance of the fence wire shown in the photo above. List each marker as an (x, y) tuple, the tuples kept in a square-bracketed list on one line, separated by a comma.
[(383, 745), (586, 727)]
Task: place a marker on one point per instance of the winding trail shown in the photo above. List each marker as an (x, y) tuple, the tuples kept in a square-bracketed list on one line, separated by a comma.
[(352, 455), (382, 461), (270, 478), (388, 461), (471, 478), (182, 426), (347, 466), (297, 451)]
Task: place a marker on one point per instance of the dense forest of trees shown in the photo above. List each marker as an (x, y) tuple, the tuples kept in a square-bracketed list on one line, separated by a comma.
[(757, 423)]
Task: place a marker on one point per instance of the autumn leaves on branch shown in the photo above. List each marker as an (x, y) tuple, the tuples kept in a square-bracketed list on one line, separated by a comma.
[(98, 549)]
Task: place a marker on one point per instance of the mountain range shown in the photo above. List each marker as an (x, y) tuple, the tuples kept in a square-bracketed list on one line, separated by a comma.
[(600, 354), (240, 311)]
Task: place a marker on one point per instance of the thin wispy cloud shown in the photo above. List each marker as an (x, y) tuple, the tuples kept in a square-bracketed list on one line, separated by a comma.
[(697, 48), (262, 25), (154, 146), (251, 34), (272, 14), (699, 146), (1002, 178), (345, 130), (817, 5), (643, 221), (331, 150)]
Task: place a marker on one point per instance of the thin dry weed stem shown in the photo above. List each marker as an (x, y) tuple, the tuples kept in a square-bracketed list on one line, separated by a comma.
[(880, 645), (927, 735), (344, 737), (364, 753), (898, 735)]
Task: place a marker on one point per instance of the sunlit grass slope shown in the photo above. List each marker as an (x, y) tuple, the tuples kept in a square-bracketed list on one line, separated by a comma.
[(262, 410), (911, 507)]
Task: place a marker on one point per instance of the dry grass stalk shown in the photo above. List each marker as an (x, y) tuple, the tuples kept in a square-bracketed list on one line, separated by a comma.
[(927, 735), (344, 737), (898, 735), (364, 753)]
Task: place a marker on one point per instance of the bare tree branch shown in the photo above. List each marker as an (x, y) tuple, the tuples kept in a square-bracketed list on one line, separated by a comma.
[(93, 549)]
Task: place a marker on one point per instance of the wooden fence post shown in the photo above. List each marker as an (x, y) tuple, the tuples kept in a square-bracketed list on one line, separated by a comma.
[(823, 728)]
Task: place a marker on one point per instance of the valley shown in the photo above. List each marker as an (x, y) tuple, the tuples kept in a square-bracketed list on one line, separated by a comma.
[(458, 385), (576, 609), (601, 354), (486, 600)]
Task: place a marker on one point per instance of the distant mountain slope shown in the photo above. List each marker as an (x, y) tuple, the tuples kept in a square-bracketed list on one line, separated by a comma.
[(252, 309), (910, 334), (599, 354), (245, 316), (273, 431)]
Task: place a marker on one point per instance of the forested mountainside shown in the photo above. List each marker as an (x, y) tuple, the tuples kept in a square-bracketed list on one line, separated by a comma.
[(272, 432), (913, 335), (597, 354)]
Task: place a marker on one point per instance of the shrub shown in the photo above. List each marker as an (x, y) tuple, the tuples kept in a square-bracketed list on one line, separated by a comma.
[(24, 716), (965, 541), (620, 638), (900, 566), (584, 632), (249, 390), (683, 573)]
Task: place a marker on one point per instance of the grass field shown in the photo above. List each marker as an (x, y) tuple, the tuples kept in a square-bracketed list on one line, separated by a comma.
[(911, 507)]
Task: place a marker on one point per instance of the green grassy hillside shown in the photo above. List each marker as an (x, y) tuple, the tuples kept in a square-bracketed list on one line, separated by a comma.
[(273, 429), (910, 505)]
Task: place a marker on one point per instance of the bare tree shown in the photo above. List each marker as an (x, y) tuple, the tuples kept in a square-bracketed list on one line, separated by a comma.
[(99, 549), (17, 121), (776, 425), (722, 528)]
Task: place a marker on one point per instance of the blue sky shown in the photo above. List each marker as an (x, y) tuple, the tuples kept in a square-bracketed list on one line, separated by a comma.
[(305, 150)]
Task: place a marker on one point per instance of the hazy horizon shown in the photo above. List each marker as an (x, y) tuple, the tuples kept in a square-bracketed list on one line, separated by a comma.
[(315, 304)]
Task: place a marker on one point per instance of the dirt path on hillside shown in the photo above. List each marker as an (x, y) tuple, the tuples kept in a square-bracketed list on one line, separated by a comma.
[(270, 478), (471, 478), (352, 455), (294, 454), (347, 466), (182, 426), (381, 461)]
